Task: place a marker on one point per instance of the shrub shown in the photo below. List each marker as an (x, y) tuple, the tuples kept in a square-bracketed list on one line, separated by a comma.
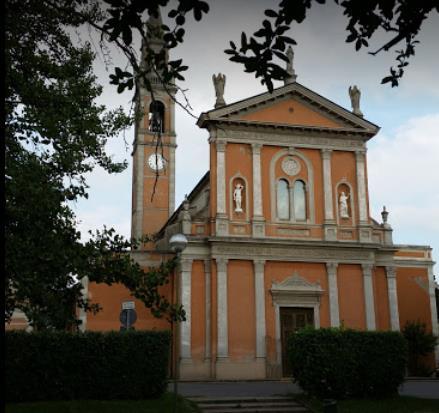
[(60, 365), (420, 344), (340, 363)]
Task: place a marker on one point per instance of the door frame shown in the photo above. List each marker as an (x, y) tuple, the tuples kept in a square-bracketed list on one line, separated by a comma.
[(314, 306)]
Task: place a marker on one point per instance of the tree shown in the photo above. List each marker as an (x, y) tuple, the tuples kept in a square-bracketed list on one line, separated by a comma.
[(55, 133)]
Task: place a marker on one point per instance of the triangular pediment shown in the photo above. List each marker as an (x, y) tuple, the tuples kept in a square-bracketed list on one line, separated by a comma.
[(292, 105), (294, 283)]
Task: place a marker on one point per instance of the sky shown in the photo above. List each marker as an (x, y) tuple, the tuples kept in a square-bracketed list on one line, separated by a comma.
[(403, 158)]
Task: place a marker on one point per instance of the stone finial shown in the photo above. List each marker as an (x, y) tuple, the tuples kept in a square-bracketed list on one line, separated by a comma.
[(219, 82), (291, 74), (355, 94)]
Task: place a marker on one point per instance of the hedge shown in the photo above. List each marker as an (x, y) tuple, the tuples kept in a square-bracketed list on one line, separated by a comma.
[(63, 366), (341, 363)]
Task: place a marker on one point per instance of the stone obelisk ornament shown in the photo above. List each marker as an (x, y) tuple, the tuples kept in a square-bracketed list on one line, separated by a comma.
[(291, 74), (219, 81), (355, 95)]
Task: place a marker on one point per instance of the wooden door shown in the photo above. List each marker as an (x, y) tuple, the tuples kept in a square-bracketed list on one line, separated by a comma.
[(291, 320)]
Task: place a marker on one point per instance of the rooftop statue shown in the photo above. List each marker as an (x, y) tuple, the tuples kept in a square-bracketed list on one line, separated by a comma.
[(219, 81), (355, 95)]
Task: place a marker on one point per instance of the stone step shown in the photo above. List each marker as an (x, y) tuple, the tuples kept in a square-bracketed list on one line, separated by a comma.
[(216, 406), (275, 404)]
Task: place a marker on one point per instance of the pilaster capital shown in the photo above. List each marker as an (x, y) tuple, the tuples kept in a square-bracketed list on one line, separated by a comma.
[(326, 153), (186, 264), (220, 145), (258, 264), (331, 267), (207, 265), (221, 264), (256, 148), (360, 154), (391, 272), (367, 268)]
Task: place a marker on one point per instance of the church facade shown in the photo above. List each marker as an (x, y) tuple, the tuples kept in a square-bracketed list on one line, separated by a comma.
[(279, 233)]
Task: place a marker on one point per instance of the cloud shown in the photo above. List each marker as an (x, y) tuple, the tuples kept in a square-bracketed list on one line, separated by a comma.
[(404, 175)]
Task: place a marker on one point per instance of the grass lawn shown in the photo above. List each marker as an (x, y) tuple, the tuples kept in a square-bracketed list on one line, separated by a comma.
[(393, 405), (163, 405)]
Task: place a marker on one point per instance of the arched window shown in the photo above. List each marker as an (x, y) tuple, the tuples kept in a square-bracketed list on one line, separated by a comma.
[(283, 200), (299, 197), (156, 117)]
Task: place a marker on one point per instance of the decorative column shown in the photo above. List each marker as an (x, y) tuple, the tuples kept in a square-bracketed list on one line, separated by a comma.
[(82, 312), (185, 301), (330, 227), (258, 218), (222, 333), (207, 307), (331, 268), (137, 231), (171, 168), (393, 298), (368, 296), (364, 231), (221, 218), (260, 307)]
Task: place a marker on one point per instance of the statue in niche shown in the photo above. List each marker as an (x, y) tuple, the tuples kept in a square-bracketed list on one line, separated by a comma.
[(219, 82), (343, 205), (355, 95), (237, 197)]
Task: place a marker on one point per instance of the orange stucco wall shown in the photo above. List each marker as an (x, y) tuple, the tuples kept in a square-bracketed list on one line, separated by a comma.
[(290, 112), (351, 296), (198, 312), (413, 296), (381, 298), (110, 298), (241, 309)]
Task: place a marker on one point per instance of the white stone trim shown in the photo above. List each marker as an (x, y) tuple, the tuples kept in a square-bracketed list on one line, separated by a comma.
[(368, 296), (309, 186), (433, 309), (260, 307), (393, 298), (171, 170), (361, 186), (185, 299), (140, 165), (220, 177), (222, 313), (327, 185), (334, 312)]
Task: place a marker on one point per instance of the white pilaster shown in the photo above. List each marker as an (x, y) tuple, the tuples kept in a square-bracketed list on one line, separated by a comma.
[(334, 314), (207, 305), (368, 296), (327, 184), (82, 313), (185, 300), (331, 268), (393, 298), (360, 157), (221, 177), (260, 307), (258, 225), (222, 333)]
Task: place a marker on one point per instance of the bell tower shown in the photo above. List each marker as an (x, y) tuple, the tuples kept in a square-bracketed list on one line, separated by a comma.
[(153, 182)]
